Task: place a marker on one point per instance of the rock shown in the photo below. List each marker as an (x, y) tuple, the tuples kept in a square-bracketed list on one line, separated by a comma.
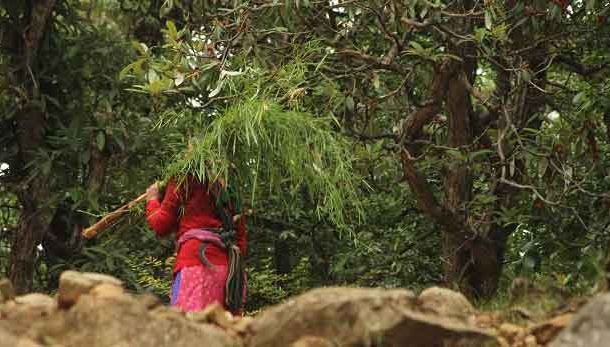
[(242, 325), (530, 341), (36, 300), (213, 314), (511, 332), (107, 290), (590, 327), (6, 290), (109, 321), (73, 284), (521, 312), (27, 308), (547, 331), (445, 302), (360, 317), (502, 342), (98, 278), (312, 341), (7, 339), (23, 316), (149, 300), (488, 320)]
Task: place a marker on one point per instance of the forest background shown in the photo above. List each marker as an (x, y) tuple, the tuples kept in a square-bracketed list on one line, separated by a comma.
[(434, 142)]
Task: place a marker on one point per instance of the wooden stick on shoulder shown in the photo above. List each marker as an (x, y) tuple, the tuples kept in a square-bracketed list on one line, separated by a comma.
[(111, 218)]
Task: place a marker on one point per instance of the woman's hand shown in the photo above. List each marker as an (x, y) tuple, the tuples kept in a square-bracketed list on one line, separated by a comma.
[(152, 193)]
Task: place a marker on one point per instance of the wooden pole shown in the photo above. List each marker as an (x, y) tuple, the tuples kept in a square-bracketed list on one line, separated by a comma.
[(111, 218)]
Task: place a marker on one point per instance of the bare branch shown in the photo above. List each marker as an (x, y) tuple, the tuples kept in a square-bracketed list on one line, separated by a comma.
[(415, 24), (579, 68), (377, 62)]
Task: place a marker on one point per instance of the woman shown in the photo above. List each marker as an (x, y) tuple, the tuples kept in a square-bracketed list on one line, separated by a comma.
[(210, 243)]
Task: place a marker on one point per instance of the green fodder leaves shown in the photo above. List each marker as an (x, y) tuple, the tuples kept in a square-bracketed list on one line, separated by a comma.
[(259, 143)]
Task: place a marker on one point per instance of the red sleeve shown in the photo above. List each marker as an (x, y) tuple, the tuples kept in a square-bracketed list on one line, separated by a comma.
[(163, 216), (241, 235)]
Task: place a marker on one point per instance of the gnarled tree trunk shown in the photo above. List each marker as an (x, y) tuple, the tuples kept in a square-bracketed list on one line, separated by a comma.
[(30, 133)]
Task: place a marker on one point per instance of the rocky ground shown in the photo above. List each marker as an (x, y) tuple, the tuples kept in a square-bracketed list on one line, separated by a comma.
[(94, 310)]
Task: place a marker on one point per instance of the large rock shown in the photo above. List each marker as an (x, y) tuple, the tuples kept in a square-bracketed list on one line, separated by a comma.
[(446, 303), (106, 321), (36, 300), (112, 320), (102, 314), (589, 328), (26, 311), (73, 284), (361, 317)]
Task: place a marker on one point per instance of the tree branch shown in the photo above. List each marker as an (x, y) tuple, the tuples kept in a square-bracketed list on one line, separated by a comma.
[(411, 132), (377, 62), (579, 68), (426, 201)]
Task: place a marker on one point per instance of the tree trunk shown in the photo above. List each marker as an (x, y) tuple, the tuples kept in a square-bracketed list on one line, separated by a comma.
[(323, 245), (64, 240), (282, 256), (461, 251), (30, 134), (30, 230)]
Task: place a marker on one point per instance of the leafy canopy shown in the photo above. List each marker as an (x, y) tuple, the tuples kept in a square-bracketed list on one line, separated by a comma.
[(255, 133)]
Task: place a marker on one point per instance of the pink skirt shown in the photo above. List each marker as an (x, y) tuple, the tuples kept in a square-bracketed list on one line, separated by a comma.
[(196, 287)]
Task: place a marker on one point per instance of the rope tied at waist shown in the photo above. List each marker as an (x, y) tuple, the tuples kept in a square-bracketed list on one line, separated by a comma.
[(235, 282)]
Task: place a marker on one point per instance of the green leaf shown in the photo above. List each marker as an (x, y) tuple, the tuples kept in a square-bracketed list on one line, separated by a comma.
[(85, 156), (152, 76), (456, 154), (579, 98), (376, 81), (529, 262), (155, 87), (166, 7), (488, 20), (479, 34), (474, 155), (349, 103), (140, 47), (100, 139), (14, 8), (416, 46), (179, 79), (125, 71), (171, 30), (423, 12), (542, 166), (120, 143), (485, 199), (556, 12)]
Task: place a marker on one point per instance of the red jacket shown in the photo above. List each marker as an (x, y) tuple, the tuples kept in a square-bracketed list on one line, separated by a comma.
[(190, 207)]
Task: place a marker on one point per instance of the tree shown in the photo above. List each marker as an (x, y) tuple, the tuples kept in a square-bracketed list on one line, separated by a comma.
[(67, 122), (29, 22), (476, 74)]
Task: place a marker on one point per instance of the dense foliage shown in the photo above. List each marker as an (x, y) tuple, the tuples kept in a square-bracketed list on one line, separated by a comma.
[(379, 143)]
